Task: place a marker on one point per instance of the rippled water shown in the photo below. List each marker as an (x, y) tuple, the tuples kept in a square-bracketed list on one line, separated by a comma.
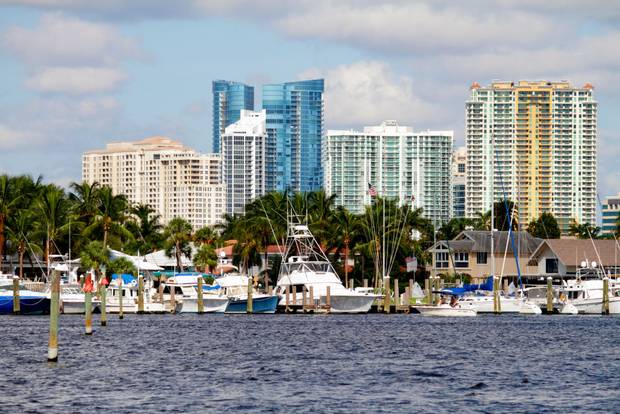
[(305, 363)]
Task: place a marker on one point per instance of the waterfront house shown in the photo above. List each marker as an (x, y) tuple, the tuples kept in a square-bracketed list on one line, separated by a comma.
[(470, 253), (564, 256)]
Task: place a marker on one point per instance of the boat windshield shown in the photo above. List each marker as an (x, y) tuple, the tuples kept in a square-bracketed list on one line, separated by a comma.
[(306, 267)]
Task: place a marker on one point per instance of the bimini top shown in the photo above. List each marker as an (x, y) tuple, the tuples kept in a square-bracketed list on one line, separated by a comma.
[(127, 278)]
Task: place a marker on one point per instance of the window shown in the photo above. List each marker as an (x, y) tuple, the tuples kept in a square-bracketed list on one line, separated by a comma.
[(461, 259), (481, 257), (461, 168), (551, 266), (441, 260)]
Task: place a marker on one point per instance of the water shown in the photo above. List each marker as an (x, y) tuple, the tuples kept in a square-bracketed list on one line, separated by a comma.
[(309, 364)]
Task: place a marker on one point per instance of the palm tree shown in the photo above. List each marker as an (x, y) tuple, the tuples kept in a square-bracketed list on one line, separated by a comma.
[(147, 227), (20, 229), (206, 235), (109, 215), (177, 238), (51, 210), (346, 227), (483, 221), (8, 203), (206, 258), (93, 255), (247, 250), (86, 200)]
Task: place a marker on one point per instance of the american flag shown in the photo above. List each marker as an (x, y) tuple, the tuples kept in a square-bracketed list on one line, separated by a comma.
[(372, 191)]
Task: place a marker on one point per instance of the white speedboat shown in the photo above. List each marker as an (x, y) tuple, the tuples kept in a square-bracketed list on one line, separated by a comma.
[(235, 287), (186, 290), (454, 309), (484, 303), (585, 292), (72, 300), (305, 266)]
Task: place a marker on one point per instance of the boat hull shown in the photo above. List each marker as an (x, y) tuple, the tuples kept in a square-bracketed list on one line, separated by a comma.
[(350, 304), (595, 306), (445, 311), (28, 305), (72, 307), (265, 304), (211, 305)]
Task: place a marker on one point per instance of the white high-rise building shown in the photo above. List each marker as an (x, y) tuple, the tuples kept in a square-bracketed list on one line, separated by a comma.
[(174, 180), (538, 142), (243, 160), (397, 162)]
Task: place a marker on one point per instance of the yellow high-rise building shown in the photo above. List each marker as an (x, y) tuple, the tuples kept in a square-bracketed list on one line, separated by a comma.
[(534, 143)]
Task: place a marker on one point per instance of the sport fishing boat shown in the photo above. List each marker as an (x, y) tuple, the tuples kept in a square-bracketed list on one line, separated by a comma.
[(235, 287), (72, 300), (585, 291), (185, 287), (30, 303), (305, 265)]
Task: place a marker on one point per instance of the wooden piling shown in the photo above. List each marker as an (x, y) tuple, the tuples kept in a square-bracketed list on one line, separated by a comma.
[(88, 312), (295, 295), (328, 299), (287, 300), (386, 300), (173, 297), (250, 305), (427, 289), (102, 296), (496, 299), (352, 284), (311, 298), (303, 299), (161, 291), (549, 295), (410, 291), (605, 295), (140, 295), (365, 283), (16, 303), (200, 300), (52, 346), (120, 296), (396, 294)]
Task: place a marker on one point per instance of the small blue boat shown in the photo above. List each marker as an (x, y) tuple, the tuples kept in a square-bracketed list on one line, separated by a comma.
[(260, 304)]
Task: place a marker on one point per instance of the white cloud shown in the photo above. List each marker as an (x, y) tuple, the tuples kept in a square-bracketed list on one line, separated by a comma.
[(11, 138), (77, 80), (370, 92), (65, 40)]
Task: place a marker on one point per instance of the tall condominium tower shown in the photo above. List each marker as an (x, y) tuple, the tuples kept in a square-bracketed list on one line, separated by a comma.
[(294, 129), (459, 182), (174, 180), (228, 99), (243, 160), (394, 162), (535, 143)]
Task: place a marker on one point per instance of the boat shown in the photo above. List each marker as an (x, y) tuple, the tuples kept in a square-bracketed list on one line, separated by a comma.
[(585, 291), (30, 303), (130, 298), (305, 266), (72, 300), (185, 287), (235, 287), (453, 309)]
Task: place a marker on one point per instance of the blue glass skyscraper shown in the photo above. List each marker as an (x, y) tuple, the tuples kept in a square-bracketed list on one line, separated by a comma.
[(294, 129), (228, 99)]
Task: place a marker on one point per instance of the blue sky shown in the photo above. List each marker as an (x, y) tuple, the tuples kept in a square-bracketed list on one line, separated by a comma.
[(76, 74)]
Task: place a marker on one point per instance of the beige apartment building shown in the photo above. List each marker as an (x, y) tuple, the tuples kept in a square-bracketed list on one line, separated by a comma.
[(533, 142), (174, 180)]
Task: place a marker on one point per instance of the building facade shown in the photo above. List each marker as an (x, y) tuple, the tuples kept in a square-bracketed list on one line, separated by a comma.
[(228, 99), (413, 167), (535, 144), (294, 132), (243, 160), (174, 180), (459, 182), (610, 212)]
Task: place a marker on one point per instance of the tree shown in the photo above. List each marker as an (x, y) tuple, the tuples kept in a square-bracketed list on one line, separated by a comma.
[(20, 230), (206, 235), (545, 227), (8, 203), (452, 228), (51, 211), (122, 265), (583, 231), (110, 214), (246, 253), (145, 224), (177, 238), (206, 258), (483, 221), (93, 255), (346, 227)]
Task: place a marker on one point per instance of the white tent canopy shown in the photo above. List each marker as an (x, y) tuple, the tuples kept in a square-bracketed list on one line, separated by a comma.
[(159, 258), (141, 263)]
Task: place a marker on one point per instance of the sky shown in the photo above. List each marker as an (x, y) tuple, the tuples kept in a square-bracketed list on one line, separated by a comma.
[(77, 74)]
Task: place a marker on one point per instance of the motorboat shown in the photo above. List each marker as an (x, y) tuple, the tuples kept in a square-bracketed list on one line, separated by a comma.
[(185, 287), (305, 268), (585, 291), (455, 308), (72, 300), (30, 303), (129, 295), (235, 287)]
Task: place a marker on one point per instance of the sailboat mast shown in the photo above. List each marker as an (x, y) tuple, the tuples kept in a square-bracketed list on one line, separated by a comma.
[(492, 206)]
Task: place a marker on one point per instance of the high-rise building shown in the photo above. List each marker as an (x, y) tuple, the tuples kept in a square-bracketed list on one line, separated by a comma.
[(535, 144), (459, 182), (228, 99), (243, 160), (394, 162), (294, 129), (174, 180), (610, 212)]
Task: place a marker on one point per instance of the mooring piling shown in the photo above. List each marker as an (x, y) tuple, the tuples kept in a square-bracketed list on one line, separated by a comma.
[(287, 300), (16, 309), (88, 304), (386, 301), (250, 305), (200, 300), (120, 296), (52, 346), (102, 296), (140, 295), (328, 299), (605, 295), (549, 294)]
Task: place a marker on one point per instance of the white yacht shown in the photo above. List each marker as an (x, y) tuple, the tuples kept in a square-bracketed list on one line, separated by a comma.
[(72, 299), (304, 265), (585, 292), (456, 308), (186, 290), (484, 303)]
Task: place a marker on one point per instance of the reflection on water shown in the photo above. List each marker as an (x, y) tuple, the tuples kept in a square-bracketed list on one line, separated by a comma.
[(303, 363)]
